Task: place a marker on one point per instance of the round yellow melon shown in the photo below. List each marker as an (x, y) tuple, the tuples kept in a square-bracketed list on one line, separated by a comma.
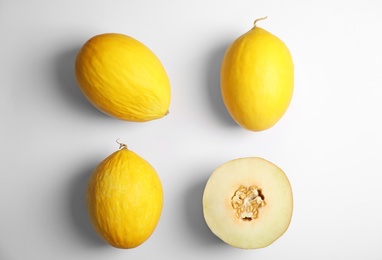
[(257, 79), (124, 199), (248, 203), (123, 78)]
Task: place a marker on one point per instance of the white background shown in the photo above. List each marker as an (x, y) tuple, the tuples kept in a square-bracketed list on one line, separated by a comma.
[(328, 143)]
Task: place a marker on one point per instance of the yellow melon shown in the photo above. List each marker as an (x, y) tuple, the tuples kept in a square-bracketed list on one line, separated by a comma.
[(124, 199), (123, 78), (257, 79)]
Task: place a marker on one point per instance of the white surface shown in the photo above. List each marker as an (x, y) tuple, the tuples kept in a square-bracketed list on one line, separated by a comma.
[(329, 141)]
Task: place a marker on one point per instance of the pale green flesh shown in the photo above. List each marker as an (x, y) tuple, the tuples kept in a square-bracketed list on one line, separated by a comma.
[(273, 219)]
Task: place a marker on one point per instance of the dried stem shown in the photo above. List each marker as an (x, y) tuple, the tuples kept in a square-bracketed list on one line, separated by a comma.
[(121, 145), (259, 19)]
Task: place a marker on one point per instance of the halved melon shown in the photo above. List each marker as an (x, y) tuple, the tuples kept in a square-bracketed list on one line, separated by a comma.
[(248, 203)]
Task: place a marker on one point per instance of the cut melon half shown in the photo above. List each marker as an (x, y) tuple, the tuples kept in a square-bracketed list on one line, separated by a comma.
[(248, 203)]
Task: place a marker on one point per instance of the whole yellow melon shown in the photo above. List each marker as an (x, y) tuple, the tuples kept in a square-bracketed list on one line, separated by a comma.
[(123, 78), (124, 199), (257, 79)]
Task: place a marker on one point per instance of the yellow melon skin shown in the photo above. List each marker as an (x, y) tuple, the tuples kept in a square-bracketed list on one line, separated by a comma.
[(257, 79), (123, 78), (273, 218), (124, 199)]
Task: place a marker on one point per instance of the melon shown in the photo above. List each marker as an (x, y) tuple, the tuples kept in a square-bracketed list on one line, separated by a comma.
[(248, 203)]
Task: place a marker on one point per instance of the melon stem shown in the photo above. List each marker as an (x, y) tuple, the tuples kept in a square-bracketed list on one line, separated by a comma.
[(121, 145), (259, 19)]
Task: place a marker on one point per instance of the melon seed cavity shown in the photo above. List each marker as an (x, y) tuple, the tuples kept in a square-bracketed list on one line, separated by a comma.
[(247, 201)]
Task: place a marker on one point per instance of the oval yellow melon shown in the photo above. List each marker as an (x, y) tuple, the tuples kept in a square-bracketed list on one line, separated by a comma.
[(257, 79), (124, 199), (248, 203), (123, 78)]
